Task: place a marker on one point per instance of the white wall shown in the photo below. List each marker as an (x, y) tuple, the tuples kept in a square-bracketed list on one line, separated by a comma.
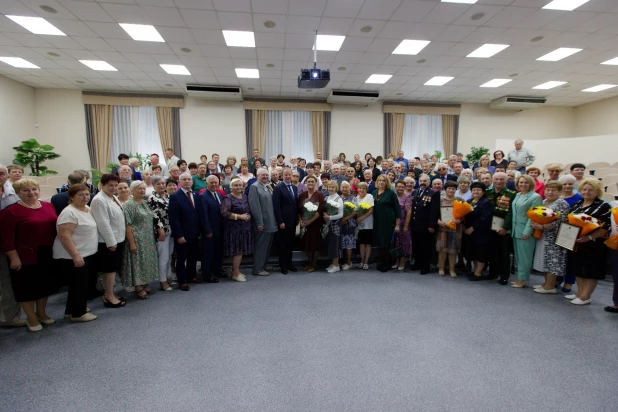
[(598, 118), (356, 129), (17, 117)]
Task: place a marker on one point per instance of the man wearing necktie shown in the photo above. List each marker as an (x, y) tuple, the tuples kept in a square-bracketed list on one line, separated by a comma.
[(211, 222), (263, 218), (425, 214), (285, 206)]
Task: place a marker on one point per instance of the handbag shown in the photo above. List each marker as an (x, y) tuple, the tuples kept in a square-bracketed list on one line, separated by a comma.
[(397, 252)]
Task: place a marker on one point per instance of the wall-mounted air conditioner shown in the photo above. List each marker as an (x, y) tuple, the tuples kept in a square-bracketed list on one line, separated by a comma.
[(517, 103), (231, 93), (352, 97)]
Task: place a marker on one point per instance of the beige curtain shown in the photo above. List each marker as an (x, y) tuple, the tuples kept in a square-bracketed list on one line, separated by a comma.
[(448, 134), (317, 132), (258, 131), (164, 123), (102, 116), (397, 133)]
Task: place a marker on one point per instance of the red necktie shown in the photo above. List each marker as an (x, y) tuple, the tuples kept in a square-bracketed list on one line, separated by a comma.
[(190, 199)]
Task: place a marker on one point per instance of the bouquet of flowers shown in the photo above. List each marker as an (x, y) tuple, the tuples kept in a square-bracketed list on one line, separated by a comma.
[(363, 208), (309, 210), (612, 242), (349, 208), (541, 215), (585, 222), (332, 208), (460, 210)]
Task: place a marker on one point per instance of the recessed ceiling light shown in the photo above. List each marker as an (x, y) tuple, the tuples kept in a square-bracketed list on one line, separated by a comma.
[(378, 78), (477, 16), (366, 29), (612, 62), (186, 50), (53, 54), (19, 62), (599, 88), (342, 68), (399, 94), (269, 24), (537, 38), (488, 50), (514, 75), (48, 9), (496, 82), (37, 25), (239, 38), (79, 81), (438, 81), (421, 61), (559, 54), (410, 47), (175, 69), (329, 43), (308, 90), (248, 73), (169, 85), (251, 88), (460, 1), (270, 65), (142, 32), (549, 85), (567, 5), (99, 65)]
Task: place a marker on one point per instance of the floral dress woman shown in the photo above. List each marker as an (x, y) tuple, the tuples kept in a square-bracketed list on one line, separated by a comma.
[(449, 240), (142, 267), (548, 257), (238, 235), (348, 229), (403, 238)]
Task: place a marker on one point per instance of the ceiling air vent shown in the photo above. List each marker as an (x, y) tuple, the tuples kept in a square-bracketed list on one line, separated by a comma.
[(353, 97), (232, 93), (517, 103)]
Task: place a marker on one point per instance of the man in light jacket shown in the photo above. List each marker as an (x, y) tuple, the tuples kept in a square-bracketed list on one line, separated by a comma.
[(263, 218)]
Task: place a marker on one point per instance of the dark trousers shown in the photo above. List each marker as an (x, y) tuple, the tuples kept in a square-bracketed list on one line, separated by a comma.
[(186, 260), (613, 258), (284, 239), (78, 281), (500, 255), (212, 256), (423, 245)]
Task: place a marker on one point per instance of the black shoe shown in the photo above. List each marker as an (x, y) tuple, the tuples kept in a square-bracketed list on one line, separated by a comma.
[(185, 287), (223, 275), (460, 266), (415, 267), (491, 277), (284, 271), (383, 268), (475, 278), (108, 304), (425, 271), (293, 269), (212, 280), (196, 281), (504, 282), (512, 270)]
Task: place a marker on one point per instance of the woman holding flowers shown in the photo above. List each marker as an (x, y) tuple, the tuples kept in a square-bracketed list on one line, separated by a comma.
[(311, 221), (332, 217), (523, 242), (588, 259), (364, 219), (403, 238), (387, 218), (348, 223), (448, 239), (549, 258)]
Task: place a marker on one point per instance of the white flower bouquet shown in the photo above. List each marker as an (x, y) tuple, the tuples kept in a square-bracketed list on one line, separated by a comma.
[(309, 210)]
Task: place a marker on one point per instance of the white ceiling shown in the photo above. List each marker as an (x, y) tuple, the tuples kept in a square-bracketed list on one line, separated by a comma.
[(93, 34)]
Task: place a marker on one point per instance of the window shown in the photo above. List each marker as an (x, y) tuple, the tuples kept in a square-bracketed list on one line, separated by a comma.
[(422, 133), (288, 133), (135, 130)]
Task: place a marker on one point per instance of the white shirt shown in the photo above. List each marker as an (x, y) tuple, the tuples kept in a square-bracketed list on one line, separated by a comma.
[(367, 223), (185, 191), (172, 161), (109, 216), (85, 236)]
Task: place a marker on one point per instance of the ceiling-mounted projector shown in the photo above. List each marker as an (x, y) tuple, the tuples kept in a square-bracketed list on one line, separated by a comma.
[(313, 78)]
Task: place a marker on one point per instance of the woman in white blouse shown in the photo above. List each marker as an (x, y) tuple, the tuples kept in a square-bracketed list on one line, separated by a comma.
[(75, 249), (147, 175), (108, 214), (333, 222), (365, 225)]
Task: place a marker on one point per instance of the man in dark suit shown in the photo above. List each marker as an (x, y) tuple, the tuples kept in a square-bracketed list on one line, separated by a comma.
[(186, 230), (443, 174), (61, 200), (211, 222), (256, 156), (285, 198), (463, 162), (425, 214)]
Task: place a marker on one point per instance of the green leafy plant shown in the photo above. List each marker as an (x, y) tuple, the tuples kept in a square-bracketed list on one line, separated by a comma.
[(31, 153), (96, 177), (438, 154), (475, 154), (144, 159)]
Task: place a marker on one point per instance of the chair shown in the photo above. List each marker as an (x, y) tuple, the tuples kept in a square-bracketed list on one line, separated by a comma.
[(56, 181), (609, 197), (610, 180), (613, 189), (597, 165), (615, 165), (602, 172), (567, 167)]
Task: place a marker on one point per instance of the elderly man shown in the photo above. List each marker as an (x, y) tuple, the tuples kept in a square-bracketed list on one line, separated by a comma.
[(425, 214), (463, 162), (285, 205), (185, 225), (400, 158), (124, 173), (500, 240), (123, 159), (170, 159), (174, 172), (61, 200), (10, 310), (337, 176), (256, 156), (263, 218), (521, 155), (154, 160), (211, 221), (199, 180), (327, 167), (398, 172), (443, 174)]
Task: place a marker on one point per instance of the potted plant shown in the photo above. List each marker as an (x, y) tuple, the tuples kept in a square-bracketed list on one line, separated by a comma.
[(31, 153), (475, 154)]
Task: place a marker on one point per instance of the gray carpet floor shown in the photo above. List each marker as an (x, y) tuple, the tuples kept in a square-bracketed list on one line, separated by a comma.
[(349, 341)]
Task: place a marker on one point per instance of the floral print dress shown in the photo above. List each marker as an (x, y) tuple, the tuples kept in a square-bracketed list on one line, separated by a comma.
[(348, 229), (142, 267)]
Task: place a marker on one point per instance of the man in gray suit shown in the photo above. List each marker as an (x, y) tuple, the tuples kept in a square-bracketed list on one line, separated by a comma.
[(263, 218)]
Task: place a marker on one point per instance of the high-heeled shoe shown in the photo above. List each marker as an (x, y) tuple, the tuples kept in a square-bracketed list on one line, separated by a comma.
[(109, 304), (441, 273), (523, 285), (453, 275)]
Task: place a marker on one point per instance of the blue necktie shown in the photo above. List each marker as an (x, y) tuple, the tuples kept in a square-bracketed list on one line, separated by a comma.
[(291, 191)]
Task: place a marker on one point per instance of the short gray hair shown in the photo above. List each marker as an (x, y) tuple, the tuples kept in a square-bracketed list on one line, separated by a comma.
[(463, 179), (157, 178), (567, 178), (135, 184), (211, 177), (5, 168)]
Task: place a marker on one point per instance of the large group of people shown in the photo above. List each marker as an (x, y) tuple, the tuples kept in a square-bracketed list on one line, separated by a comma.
[(157, 223)]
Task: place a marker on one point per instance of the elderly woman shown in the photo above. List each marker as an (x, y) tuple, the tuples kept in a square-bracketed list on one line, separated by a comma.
[(148, 181), (513, 175), (275, 176), (273, 165), (334, 226), (387, 215), (499, 160), (311, 240), (578, 170), (123, 191), (478, 226), (553, 171), (484, 163), (478, 172), (589, 258), (156, 170), (372, 166), (244, 175), (238, 235), (135, 164), (468, 173), (280, 161), (463, 191), (410, 184), (523, 243), (539, 186), (158, 202), (365, 225), (548, 257), (301, 187), (227, 177), (353, 180), (448, 240), (28, 233), (569, 194), (348, 226), (75, 251), (257, 166), (107, 211), (403, 238), (231, 160), (140, 265)]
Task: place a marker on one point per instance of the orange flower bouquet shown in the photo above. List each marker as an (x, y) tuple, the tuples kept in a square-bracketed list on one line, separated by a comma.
[(612, 242), (586, 222), (541, 215), (460, 210)]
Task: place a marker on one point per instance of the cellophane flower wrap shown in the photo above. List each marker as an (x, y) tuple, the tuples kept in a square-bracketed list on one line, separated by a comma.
[(363, 209), (309, 210), (332, 208), (612, 242), (586, 222), (460, 210), (615, 214), (541, 215)]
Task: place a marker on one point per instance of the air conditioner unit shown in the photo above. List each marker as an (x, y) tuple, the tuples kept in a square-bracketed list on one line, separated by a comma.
[(231, 93), (517, 103), (352, 97)]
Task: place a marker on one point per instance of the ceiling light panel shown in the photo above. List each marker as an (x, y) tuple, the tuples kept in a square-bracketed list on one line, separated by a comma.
[(488, 50), (99, 65), (612, 62), (496, 82), (549, 85), (411, 47), (559, 54), (239, 38), (460, 1), (329, 43), (378, 78), (567, 5), (37, 25), (175, 69), (19, 62), (248, 73), (599, 88), (142, 32), (438, 81)]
